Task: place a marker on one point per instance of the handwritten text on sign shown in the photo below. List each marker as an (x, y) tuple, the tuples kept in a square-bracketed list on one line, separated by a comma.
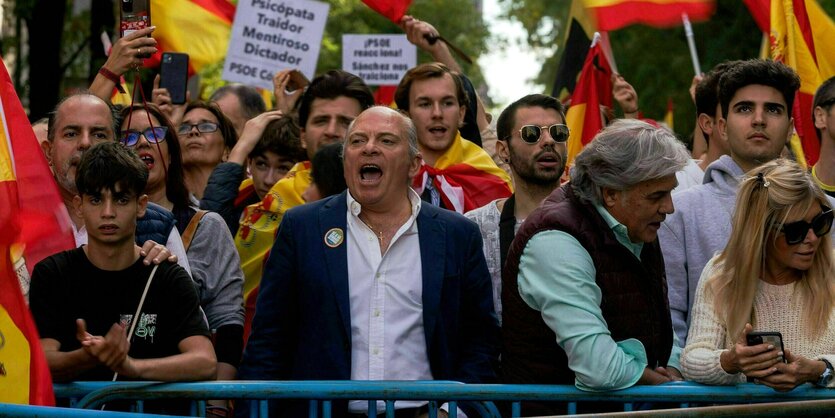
[(378, 59), (273, 35)]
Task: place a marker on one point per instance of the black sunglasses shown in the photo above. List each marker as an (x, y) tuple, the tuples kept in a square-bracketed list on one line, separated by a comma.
[(532, 133), (795, 232), (203, 128), (154, 135)]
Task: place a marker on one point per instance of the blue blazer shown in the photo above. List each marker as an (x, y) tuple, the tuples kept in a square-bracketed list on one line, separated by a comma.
[(302, 325)]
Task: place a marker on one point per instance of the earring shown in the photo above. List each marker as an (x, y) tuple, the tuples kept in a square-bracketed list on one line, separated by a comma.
[(507, 160)]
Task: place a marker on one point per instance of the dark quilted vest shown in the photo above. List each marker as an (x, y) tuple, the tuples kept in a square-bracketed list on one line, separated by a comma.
[(634, 302), (156, 225)]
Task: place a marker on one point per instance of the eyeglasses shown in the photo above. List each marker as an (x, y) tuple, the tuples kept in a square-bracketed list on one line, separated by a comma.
[(203, 128), (795, 232), (532, 133), (154, 135)]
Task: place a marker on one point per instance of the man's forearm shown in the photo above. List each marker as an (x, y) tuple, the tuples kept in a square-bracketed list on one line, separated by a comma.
[(67, 365), (179, 367)]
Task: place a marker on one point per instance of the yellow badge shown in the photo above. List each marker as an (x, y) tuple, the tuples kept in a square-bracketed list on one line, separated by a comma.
[(334, 237)]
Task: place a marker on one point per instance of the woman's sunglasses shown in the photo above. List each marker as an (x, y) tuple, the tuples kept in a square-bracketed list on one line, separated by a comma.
[(154, 135), (795, 232), (532, 133)]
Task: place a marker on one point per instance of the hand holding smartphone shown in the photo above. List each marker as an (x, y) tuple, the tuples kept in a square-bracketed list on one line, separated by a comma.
[(769, 337), (173, 75), (135, 15)]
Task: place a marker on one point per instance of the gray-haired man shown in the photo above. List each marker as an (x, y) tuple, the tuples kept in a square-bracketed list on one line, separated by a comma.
[(583, 292)]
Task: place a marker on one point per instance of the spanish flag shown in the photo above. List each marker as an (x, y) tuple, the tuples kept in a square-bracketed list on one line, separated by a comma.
[(800, 35), (584, 118), (466, 177), (33, 225), (259, 224), (668, 117), (199, 28), (615, 14)]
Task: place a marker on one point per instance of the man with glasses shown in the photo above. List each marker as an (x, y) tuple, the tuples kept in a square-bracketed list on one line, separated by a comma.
[(583, 288), (532, 140), (456, 174), (823, 116)]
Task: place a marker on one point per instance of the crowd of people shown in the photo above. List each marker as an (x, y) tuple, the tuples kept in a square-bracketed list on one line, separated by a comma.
[(329, 238)]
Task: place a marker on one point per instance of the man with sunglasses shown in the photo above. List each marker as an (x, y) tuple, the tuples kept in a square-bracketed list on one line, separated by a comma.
[(823, 116), (456, 174), (583, 287), (78, 122), (532, 140), (756, 98)]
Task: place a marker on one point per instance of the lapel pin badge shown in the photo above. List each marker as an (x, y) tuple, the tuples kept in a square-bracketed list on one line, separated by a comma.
[(334, 237)]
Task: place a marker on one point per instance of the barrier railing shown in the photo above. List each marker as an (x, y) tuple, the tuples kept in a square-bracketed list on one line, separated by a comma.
[(321, 394), (25, 411)]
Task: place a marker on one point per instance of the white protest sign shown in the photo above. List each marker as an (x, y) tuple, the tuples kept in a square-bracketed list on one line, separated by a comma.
[(273, 35), (378, 59)]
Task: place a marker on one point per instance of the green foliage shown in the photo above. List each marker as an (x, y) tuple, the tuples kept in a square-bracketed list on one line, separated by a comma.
[(655, 61)]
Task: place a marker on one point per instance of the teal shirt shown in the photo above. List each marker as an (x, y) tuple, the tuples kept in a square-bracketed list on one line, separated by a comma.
[(557, 278)]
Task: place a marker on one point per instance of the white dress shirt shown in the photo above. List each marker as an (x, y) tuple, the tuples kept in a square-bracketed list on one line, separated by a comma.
[(386, 296)]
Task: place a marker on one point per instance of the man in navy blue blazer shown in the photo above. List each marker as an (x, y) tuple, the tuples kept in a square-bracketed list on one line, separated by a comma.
[(373, 285)]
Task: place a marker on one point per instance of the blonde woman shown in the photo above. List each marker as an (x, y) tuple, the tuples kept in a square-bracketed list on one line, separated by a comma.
[(775, 274)]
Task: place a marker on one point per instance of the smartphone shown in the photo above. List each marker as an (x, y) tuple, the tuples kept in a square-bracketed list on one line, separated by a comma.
[(135, 15), (297, 81), (770, 337), (173, 75)]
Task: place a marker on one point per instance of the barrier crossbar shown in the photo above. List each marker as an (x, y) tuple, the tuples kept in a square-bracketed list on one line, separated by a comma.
[(322, 393), (26, 411)]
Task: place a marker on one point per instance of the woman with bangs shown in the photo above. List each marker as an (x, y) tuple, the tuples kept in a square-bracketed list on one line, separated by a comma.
[(215, 265), (775, 274)]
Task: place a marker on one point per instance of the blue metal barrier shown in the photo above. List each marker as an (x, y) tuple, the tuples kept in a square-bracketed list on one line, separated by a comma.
[(321, 393), (24, 411)]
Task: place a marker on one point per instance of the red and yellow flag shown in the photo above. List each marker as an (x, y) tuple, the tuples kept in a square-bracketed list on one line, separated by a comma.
[(259, 224), (800, 35), (615, 14), (199, 28), (466, 177), (668, 117), (33, 225), (584, 118)]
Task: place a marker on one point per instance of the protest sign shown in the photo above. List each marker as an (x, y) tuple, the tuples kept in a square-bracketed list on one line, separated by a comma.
[(273, 35), (378, 59)]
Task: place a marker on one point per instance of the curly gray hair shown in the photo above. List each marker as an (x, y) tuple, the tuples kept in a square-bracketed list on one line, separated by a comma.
[(624, 154)]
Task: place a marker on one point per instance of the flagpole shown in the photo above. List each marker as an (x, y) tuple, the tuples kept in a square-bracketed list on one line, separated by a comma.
[(607, 51), (691, 42)]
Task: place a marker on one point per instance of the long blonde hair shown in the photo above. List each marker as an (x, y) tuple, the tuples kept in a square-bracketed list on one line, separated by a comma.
[(767, 196)]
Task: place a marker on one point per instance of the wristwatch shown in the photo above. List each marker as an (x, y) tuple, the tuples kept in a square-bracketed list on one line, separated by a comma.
[(827, 375)]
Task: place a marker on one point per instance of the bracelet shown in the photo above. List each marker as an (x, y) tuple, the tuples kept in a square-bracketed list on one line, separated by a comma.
[(110, 75)]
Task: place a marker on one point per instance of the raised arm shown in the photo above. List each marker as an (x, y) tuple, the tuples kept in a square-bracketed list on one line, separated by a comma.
[(124, 56)]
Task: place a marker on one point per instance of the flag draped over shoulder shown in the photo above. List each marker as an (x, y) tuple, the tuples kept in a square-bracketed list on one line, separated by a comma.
[(259, 224), (466, 177), (199, 28), (594, 89), (800, 35), (392, 9), (575, 46), (615, 14), (33, 224)]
